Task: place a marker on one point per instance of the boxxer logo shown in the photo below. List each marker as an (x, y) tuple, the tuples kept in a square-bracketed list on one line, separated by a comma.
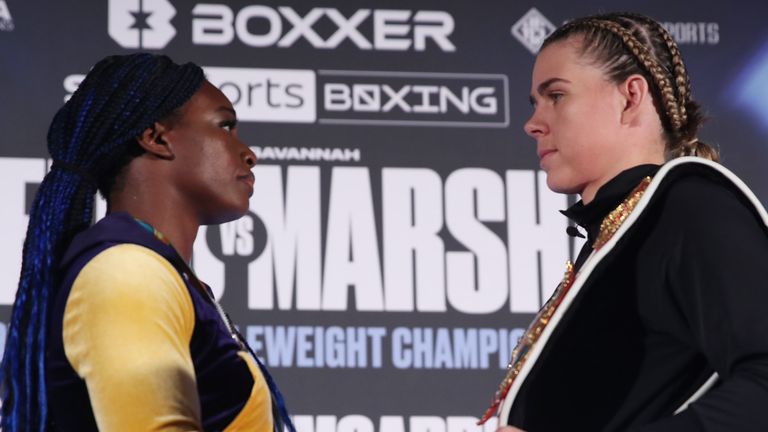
[(263, 26), (142, 24)]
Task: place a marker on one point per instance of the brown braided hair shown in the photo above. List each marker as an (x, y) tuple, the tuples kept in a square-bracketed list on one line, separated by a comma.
[(624, 44)]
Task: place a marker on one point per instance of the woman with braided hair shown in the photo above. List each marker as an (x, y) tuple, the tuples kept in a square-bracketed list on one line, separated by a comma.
[(111, 330), (660, 324)]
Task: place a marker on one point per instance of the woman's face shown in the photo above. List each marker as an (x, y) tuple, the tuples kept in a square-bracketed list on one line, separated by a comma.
[(213, 173), (576, 120)]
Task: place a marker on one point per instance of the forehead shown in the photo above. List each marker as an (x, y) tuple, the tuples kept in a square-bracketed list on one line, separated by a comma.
[(557, 55), (207, 98), (562, 59)]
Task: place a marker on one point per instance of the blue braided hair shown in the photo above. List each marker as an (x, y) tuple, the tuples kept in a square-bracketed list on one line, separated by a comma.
[(91, 139)]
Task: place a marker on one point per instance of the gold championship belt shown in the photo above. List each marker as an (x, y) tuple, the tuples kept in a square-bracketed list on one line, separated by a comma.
[(608, 228)]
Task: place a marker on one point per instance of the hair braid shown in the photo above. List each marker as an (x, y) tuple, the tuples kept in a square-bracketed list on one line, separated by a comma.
[(682, 80), (625, 44), (89, 137), (651, 65)]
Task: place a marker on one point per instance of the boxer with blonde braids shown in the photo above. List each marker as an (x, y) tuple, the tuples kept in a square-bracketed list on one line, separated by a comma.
[(660, 324)]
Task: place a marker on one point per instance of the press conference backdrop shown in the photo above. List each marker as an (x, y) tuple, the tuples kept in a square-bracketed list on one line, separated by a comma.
[(400, 236)]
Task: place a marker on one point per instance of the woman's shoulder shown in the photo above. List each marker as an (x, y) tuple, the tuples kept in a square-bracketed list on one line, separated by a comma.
[(129, 261), (706, 195), (129, 270)]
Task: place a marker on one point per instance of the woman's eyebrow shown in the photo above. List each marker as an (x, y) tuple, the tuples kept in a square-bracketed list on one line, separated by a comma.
[(544, 86), (227, 109)]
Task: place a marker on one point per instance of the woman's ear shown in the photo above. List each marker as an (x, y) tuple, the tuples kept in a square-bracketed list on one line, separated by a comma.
[(635, 94), (153, 141)]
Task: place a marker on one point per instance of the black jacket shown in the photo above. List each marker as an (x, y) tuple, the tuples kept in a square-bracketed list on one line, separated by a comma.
[(683, 294)]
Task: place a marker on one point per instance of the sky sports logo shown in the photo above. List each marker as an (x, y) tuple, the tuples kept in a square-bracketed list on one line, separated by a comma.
[(365, 97), (268, 95)]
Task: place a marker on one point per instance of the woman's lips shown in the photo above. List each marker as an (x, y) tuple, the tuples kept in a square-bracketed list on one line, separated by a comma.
[(249, 179), (544, 153)]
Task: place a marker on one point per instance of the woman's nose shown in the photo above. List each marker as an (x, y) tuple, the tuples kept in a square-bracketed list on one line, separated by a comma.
[(250, 157), (535, 127)]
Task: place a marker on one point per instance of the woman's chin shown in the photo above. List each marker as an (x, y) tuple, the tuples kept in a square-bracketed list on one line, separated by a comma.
[(224, 216), (562, 187)]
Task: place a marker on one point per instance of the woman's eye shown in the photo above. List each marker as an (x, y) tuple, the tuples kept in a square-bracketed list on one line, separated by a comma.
[(228, 126), (555, 96)]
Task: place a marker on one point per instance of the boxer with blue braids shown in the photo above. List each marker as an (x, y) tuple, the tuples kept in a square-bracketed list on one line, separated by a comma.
[(111, 329)]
